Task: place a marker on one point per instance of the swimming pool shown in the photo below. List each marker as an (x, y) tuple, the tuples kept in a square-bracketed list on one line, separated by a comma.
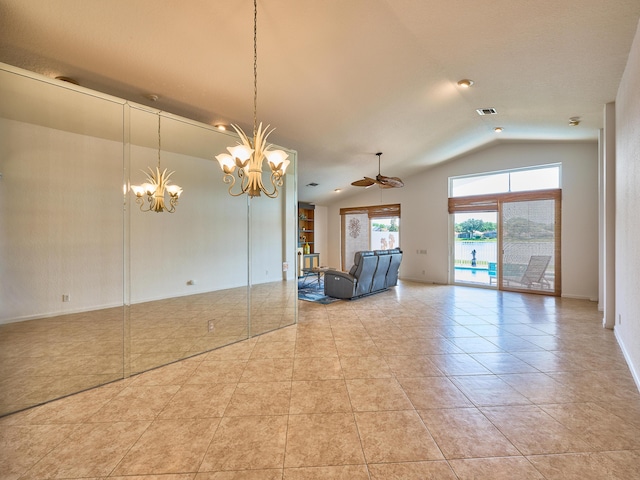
[(471, 275)]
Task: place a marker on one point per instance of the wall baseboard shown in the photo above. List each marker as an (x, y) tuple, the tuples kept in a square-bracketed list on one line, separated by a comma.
[(632, 367), (579, 297), (420, 280), (73, 311)]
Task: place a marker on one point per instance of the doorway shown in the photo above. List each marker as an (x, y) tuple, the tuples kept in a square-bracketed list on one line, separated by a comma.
[(526, 254), (475, 252)]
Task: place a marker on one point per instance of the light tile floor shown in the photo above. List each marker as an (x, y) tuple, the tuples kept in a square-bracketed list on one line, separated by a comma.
[(420, 382), (48, 358)]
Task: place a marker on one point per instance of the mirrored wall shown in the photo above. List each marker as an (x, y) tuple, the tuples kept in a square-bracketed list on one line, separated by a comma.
[(92, 288)]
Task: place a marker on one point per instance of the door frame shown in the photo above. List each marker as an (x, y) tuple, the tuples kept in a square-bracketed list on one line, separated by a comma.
[(493, 203)]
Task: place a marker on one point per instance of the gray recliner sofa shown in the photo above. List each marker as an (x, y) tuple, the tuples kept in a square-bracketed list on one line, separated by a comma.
[(372, 271)]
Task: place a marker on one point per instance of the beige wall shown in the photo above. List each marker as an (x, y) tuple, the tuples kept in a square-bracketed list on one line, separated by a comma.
[(628, 210), (320, 236)]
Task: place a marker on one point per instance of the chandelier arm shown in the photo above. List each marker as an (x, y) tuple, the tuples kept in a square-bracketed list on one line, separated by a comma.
[(276, 181), (140, 201), (231, 180)]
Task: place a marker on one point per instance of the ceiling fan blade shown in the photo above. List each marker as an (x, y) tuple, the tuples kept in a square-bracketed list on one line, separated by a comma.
[(390, 182), (365, 182)]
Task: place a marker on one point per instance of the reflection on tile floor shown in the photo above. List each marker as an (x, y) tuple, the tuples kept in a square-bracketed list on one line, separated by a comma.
[(420, 382), (49, 358)]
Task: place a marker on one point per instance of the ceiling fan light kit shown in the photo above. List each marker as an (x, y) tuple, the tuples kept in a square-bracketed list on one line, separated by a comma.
[(381, 180)]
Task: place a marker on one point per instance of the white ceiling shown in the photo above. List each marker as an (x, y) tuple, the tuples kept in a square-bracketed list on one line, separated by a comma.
[(343, 79)]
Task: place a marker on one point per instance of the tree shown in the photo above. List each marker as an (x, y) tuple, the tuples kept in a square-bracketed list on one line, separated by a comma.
[(489, 227), (471, 226)]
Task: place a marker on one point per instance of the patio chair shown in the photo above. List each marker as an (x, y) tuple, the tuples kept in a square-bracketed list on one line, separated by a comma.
[(533, 274)]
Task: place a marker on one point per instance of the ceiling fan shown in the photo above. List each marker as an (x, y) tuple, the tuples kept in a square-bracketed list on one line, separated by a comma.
[(381, 180)]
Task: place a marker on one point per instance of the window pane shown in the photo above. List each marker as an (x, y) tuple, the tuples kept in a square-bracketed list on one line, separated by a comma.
[(537, 179), (529, 245), (385, 233), (480, 185)]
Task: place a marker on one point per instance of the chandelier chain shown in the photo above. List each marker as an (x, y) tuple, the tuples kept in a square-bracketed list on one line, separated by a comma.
[(159, 146), (248, 155), (255, 67)]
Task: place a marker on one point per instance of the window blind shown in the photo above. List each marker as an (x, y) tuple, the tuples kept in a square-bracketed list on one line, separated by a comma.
[(376, 211), (489, 203)]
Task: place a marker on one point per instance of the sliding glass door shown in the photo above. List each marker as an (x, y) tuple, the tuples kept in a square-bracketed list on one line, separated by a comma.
[(530, 245), (475, 252)]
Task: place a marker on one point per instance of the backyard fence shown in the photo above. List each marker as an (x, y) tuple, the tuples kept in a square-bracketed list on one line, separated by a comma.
[(485, 252)]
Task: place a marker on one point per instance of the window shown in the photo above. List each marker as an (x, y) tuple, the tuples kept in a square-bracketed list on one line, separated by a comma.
[(525, 179), (369, 228)]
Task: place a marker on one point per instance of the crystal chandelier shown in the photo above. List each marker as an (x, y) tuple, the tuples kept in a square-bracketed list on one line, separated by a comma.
[(250, 154), (157, 183)]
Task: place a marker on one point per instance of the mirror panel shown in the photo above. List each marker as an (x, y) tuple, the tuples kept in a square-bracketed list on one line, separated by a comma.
[(188, 284), (61, 241), (92, 289)]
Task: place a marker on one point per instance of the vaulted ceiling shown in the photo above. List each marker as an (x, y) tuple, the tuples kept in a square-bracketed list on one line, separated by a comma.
[(343, 79)]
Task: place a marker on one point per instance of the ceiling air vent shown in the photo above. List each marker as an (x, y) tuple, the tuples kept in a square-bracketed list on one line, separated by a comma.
[(487, 111)]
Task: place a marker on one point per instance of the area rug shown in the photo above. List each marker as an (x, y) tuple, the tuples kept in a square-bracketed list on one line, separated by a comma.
[(313, 292)]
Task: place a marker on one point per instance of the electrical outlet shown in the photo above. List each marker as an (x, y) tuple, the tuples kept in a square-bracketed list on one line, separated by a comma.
[(66, 298), (285, 266), (211, 326)]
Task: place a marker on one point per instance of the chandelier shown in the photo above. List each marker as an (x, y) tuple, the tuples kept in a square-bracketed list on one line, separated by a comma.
[(248, 155), (157, 183)]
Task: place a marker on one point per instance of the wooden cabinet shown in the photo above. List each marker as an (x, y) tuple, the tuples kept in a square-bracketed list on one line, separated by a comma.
[(306, 227)]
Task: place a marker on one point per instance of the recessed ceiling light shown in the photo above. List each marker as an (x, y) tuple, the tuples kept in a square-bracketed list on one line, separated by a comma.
[(574, 121), (312, 184), (152, 96), (498, 129), (220, 126), (338, 190), (465, 83)]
